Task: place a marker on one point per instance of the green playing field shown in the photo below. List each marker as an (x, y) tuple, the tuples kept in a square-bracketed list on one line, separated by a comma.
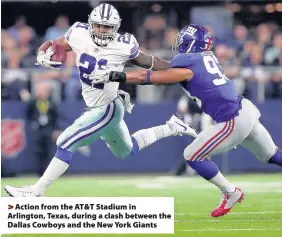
[(260, 214)]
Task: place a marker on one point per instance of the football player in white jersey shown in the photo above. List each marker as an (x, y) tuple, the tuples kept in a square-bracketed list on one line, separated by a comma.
[(99, 47)]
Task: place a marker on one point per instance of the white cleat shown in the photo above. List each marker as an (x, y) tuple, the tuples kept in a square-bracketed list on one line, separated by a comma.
[(180, 127), (25, 191)]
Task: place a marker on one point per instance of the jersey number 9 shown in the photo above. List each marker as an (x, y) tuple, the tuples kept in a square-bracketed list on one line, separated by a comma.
[(213, 67)]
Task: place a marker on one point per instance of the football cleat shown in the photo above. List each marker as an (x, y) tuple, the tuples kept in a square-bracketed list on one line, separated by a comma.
[(228, 200), (25, 191), (180, 127)]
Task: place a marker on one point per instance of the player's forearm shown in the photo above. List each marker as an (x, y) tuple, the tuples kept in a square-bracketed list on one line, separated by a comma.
[(160, 64), (60, 41), (169, 76), (150, 77), (150, 62), (45, 46)]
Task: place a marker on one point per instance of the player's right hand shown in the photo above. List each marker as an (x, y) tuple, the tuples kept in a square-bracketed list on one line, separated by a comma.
[(99, 76), (44, 59)]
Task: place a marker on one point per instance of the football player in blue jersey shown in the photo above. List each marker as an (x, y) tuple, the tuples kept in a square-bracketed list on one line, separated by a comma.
[(201, 76)]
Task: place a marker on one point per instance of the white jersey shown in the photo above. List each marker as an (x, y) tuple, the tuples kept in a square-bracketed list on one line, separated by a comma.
[(91, 57)]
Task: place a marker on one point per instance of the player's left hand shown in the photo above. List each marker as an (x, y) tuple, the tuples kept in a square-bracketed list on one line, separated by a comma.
[(99, 76)]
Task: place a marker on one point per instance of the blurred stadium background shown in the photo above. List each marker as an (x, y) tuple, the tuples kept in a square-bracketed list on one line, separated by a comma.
[(248, 42)]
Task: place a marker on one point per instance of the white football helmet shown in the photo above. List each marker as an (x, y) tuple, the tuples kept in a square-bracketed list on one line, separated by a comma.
[(104, 22)]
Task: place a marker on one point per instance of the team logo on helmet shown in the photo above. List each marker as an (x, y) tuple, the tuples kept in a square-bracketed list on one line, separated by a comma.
[(191, 30), (12, 137), (192, 39)]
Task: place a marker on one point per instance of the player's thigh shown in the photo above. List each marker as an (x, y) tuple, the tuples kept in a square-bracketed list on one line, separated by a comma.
[(89, 127), (222, 137), (260, 143), (118, 139), (206, 141), (215, 139)]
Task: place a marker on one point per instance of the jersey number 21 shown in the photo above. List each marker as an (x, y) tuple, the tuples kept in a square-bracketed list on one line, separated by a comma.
[(87, 62), (213, 67)]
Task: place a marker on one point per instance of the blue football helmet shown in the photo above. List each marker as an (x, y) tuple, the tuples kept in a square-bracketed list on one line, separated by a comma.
[(192, 39)]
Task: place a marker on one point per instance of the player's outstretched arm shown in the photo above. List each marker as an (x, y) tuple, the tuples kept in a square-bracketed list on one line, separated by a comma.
[(150, 62), (169, 76)]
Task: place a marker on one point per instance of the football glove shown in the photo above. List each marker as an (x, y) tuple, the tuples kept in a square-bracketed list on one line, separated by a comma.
[(99, 76), (44, 59), (104, 77)]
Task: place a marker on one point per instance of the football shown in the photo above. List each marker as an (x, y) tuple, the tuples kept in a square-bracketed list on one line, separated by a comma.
[(60, 55)]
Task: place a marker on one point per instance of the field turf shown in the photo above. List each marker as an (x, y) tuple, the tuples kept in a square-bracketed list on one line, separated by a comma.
[(259, 215)]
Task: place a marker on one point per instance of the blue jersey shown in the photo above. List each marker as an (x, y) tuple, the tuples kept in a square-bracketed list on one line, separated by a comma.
[(212, 90)]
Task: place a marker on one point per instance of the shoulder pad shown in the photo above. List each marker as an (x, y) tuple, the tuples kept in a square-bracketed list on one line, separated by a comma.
[(183, 60), (130, 44), (77, 26)]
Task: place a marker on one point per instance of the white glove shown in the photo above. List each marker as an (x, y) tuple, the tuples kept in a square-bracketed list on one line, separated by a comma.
[(44, 59), (99, 76), (128, 106)]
